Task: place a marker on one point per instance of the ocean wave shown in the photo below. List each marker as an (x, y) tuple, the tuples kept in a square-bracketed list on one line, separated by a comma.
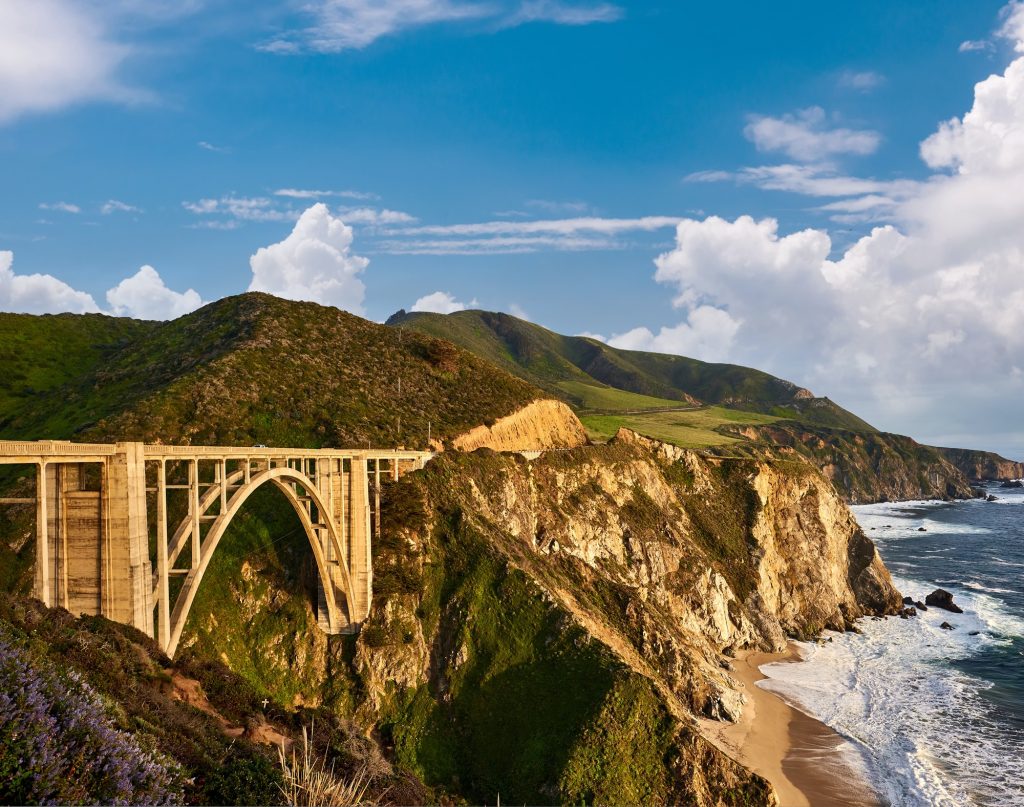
[(922, 729)]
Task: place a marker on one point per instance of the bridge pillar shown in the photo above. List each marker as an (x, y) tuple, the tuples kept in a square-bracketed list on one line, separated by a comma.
[(360, 562), (94, 544), (127, 571)]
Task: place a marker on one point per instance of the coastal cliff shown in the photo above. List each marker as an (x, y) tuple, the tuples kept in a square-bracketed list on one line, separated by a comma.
[(865, 467), (569, 616), (983, 465)]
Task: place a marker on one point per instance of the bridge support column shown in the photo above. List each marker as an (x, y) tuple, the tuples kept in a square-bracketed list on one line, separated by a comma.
[(360, 562), (127, 579)]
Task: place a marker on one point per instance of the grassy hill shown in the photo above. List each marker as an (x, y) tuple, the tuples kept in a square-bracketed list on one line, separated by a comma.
[(591, 375), (246, 369)]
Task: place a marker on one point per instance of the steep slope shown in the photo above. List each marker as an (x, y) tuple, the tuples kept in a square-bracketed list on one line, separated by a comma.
[(983, 465), (576, 368), (602, 587), (92, 712), (258, 369)]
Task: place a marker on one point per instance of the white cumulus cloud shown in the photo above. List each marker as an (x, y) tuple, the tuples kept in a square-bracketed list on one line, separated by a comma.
[(806, 136), (314, 262), (707, 334), (918, 325), (39, 294), (440, 302), (145, 296)]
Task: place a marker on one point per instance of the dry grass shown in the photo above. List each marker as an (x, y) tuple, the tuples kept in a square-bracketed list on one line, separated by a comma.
[(310, 782)]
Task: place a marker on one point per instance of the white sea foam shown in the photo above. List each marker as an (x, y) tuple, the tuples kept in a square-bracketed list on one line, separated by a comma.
[(920, 729)]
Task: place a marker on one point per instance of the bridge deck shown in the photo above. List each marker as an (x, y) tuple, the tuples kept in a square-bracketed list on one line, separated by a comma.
[(29, 451)]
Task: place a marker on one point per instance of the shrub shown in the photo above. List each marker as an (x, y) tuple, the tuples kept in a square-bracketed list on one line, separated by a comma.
[(245, 777), (57, 743)]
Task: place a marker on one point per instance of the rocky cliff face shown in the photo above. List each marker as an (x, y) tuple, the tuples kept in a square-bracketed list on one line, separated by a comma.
[(866, 467), (982, 465), (549, 629), (538, 425)]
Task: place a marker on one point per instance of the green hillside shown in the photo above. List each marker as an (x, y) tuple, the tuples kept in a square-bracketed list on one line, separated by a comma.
[(246, 369), (586, 372), (41, 354)]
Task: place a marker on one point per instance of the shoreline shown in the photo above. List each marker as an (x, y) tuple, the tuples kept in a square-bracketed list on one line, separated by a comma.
[(798, 754)]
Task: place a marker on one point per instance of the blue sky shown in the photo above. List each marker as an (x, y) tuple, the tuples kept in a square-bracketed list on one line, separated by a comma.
[(465, 143)]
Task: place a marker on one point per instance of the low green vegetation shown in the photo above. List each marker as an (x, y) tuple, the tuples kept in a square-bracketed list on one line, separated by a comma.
[(40, 354), (528, 708), (695, 428), (591, 396)]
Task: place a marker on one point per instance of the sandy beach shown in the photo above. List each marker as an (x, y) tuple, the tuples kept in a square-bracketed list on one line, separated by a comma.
[(799, 755)]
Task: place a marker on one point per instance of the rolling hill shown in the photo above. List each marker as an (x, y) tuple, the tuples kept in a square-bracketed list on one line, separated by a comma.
[(591, 375), (246, 369)]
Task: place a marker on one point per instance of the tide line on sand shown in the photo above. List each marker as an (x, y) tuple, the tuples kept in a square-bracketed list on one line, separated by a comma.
[(799, 755)]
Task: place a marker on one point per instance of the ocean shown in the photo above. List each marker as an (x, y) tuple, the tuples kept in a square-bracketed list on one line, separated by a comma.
[(931, 716)]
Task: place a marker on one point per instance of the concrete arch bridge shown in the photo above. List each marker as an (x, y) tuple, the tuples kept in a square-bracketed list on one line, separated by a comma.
[(100, 507)]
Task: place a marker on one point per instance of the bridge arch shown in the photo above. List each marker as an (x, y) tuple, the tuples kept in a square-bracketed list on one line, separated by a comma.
[(287, 480)]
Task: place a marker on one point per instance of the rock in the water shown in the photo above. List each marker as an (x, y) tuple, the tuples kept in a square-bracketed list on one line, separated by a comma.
[(906, 613), (946, 626), (920, 606), (908, 600), (1012, 483), (921, 529), (991, 498), (974, 633), (940, 598)]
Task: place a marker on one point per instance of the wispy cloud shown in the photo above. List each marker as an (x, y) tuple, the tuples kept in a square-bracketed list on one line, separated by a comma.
[(859, 198), (518, 236), (299, 193), (117, 206), (563, 13), (570, 226), (207, 146), (338, 25), (230, 211), (806, 136), (498, 245), (60, 207), (860, 80), (969, 45), (241, 208)]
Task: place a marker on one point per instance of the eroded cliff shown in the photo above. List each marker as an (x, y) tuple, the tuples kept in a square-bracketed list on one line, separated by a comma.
[(549, 629)]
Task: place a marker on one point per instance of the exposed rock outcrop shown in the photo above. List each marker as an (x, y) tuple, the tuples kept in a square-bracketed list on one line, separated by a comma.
[(537, 426), (636, 564)]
